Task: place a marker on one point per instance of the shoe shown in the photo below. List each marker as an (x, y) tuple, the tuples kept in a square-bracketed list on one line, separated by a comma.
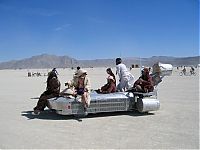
[(36, 112)]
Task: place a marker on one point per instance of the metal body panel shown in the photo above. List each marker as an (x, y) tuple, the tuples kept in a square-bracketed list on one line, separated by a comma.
[(119, 101), (147, 104)]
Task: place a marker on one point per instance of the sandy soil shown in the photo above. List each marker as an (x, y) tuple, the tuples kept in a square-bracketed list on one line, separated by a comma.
[(175, 125)]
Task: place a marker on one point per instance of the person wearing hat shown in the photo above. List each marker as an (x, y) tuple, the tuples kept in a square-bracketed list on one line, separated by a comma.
[(144, 83), (109, 87), (81, 85), (126, 79)]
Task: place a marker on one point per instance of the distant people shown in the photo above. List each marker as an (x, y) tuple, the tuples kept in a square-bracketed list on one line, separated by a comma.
[(78, 68), (38, 74), (126, 79), (81, 85), (29, 74), (184, 70), (110, 73), (33, 74), (192, 70), (109, 87), (144, 83), (149, 69), (52, 90)]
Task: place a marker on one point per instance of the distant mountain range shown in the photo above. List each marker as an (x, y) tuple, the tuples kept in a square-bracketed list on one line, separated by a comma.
[(51, 61)]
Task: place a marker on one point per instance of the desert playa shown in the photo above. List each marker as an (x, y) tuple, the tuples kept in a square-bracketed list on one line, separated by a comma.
[(175, 125)]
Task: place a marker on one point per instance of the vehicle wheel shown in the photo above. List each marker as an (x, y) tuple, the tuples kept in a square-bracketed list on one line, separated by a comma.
[(181, 73)]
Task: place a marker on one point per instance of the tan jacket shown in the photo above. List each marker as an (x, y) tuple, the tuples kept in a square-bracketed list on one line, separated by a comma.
[(74, 83)]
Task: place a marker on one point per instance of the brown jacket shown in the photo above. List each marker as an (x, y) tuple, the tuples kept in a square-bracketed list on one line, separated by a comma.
[(145, 83), (54, 85), (108, 88)]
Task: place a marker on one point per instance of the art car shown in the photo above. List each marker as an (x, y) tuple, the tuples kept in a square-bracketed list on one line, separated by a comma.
[(114, 102)]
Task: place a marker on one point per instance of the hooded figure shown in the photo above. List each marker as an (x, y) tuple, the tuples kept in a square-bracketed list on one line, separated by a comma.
[(52, 90), (144, 83)]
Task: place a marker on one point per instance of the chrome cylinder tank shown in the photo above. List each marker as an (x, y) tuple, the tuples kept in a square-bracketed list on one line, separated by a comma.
[(147, 104)]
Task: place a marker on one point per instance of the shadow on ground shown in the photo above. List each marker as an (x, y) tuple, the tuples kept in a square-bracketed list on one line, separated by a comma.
[(51, 115), (35, 98)]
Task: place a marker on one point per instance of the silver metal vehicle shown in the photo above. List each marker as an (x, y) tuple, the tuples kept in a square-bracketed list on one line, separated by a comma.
[(119, 101), (113, 102)]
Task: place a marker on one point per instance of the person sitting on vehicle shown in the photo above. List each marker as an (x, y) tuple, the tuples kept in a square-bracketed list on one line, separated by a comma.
[(126, 79), (110, 73), (52, 90), (144, 83), (109, 87), (81, 85)]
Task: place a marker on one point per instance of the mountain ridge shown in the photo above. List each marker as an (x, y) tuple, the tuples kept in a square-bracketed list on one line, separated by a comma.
[(51, 61)]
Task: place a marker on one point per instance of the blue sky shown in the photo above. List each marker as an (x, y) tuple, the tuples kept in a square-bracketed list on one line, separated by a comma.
[(95, 29)]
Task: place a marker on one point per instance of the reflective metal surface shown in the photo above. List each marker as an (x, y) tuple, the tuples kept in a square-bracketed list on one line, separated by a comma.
[(119, 101)]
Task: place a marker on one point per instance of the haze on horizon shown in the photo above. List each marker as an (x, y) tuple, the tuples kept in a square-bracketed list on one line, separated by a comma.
[(98, 29)]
